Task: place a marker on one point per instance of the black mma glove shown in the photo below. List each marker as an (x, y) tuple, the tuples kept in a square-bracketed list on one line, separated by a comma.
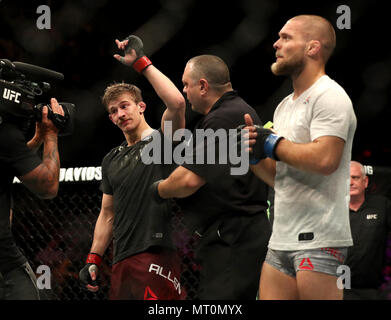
[(93, 263), (155, 192), (142, 61), (265, 145)]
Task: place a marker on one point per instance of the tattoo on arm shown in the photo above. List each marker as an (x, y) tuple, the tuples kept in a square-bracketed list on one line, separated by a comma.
[(44, 179)]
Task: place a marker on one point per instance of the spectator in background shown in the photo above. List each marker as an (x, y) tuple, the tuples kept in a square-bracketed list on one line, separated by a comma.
[(370, 223)]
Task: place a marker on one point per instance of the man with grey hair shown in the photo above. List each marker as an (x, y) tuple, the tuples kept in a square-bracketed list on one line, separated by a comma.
[(370, 222)]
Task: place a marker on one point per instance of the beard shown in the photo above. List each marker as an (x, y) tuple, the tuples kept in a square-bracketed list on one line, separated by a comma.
[(288, 67)]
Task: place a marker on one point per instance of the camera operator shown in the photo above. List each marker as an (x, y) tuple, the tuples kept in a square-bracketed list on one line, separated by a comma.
[(41, 176)]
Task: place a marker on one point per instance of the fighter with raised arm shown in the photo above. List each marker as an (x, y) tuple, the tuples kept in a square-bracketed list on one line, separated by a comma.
[(140, 228)]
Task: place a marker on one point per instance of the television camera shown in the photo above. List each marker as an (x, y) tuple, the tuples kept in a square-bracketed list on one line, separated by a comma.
[(22, 87)]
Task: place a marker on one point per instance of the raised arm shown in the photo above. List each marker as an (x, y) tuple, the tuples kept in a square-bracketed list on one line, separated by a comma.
[(164, 87)]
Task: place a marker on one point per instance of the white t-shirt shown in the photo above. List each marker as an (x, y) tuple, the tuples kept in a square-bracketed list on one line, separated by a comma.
[(312, 210)]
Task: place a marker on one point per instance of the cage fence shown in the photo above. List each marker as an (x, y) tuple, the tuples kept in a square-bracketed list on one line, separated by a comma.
[(56, 235)]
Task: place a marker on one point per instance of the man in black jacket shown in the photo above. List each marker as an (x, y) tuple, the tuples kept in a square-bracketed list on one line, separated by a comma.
[(370, 222)]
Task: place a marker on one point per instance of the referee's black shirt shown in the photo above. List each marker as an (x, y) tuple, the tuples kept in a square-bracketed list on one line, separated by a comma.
[(224, 194), (369, 225)]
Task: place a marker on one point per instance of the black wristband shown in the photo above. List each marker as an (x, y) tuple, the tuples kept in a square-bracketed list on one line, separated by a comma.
[(155, 192)]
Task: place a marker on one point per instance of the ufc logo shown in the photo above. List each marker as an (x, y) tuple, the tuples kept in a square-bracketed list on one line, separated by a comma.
[(11, 95)]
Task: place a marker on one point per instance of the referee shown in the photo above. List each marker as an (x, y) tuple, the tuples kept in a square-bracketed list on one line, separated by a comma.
[(370, 222), (227, 213)]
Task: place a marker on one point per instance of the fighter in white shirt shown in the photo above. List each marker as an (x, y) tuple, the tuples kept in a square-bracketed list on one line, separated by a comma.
[(307, 162)]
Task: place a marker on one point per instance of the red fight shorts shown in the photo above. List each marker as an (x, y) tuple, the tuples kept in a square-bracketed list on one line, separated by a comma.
[(150, 275)]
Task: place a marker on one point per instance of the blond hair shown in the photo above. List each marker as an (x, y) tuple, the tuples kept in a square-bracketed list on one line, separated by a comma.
[(318, 28)]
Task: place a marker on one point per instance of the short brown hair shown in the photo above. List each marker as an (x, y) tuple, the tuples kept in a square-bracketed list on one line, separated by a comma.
[(114, 90), (210, 67)]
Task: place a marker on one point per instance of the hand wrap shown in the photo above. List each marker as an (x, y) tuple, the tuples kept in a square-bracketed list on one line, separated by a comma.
[(142, 61), (155, 192), (265, 145), (93, 263)]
